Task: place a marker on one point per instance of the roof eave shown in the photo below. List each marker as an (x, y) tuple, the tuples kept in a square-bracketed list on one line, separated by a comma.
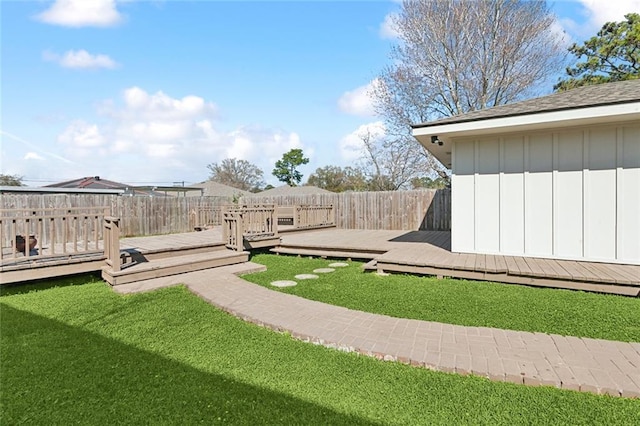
[(521, 123)]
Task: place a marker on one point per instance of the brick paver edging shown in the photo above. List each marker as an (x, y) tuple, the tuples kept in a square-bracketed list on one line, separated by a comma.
[(581, 364)]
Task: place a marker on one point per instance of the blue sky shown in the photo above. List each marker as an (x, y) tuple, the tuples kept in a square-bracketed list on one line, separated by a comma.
[(151, 92)]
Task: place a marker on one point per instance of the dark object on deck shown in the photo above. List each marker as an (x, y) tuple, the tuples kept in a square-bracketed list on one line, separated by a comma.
[(21, 243)]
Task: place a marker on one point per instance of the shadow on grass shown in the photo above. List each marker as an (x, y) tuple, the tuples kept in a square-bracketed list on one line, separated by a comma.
[(38, 285), (53, 373)]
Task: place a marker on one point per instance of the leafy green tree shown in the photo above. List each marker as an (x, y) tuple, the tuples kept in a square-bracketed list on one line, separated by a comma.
[(337, 179), (286, 168), (612, 55), (239, 174), (11, 180), (428, 182)]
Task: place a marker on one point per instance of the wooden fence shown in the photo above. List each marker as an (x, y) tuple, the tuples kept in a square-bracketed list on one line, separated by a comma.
[(391, 210), (396, 210), (138, 215)]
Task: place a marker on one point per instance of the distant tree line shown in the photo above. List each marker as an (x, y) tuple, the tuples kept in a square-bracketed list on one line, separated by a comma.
[(11, 180), (244, 175)]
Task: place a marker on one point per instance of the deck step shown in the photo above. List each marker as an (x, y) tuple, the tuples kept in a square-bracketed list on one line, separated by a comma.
[(272, 241), (372, 265), (131, 255), (623, 290), (156, 268), (326, 252)]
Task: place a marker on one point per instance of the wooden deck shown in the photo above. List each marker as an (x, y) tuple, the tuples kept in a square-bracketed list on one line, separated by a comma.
[(137, 249), (416, 252), (429, 253)]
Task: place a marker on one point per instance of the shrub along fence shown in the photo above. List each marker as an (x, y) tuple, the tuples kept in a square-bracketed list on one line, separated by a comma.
[(393, 210)]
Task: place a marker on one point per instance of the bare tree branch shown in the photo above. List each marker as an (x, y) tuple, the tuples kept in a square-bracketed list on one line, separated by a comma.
[(455, 56)]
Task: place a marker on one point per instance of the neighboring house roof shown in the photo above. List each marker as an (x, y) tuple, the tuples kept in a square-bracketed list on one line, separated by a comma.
[(96, 183), (215, 189), (587, 96), (93, 182), (597, 104), (293, 190), (43, 190)]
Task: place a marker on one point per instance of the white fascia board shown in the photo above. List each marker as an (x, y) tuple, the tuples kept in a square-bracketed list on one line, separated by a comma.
[(522, 123), (543, 120)]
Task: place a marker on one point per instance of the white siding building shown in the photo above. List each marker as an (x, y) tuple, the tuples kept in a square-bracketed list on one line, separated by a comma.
[(553, 177)]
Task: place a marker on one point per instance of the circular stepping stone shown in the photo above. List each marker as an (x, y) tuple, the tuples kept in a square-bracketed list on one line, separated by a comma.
[(323, 270), (338, 265), (306, 277), (283, 283)]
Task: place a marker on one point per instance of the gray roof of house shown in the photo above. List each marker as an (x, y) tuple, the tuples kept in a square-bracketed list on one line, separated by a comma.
[(293, 190), (97, 183), (583, 97), (215, 189), (53, 190)]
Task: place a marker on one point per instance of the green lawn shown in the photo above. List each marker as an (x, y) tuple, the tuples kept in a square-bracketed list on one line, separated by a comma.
[(82, 354), (459, 301)]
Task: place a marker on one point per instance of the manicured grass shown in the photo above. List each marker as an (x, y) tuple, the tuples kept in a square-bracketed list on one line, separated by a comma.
[(460, 302), (83, 354)]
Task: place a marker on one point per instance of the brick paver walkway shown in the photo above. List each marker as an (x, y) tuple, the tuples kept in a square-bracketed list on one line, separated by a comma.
[(591, 365)]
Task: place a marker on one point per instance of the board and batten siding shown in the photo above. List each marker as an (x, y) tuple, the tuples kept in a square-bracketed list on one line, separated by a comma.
[(567, 194)]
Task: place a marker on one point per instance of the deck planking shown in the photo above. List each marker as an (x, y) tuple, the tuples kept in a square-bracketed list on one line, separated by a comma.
[(429, 251)]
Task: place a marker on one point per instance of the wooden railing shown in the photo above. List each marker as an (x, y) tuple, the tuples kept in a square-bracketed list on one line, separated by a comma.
[(112, 242), (248, 223), (47, 233), (201, 218), (286, 215), (314, 217), (232, 230)]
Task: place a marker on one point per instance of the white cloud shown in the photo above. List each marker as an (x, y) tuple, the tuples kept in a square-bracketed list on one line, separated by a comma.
[(352, 146), (141, 105), (261, 146), (358, 101), (560, 31), (598, 12), (387, 28), (154, 137), (81, 135), (33, 156), (80, 59), (82, 13)]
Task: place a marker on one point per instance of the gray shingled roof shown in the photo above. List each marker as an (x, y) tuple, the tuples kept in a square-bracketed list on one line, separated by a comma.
[(293, 190), (96, 182), (582, 97), (215, 189), (91, 182)]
